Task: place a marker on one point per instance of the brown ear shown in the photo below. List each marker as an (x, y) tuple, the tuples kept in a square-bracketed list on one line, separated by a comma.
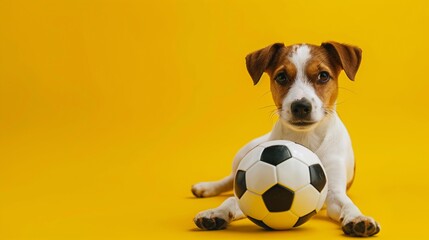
[(257, 62), (348, 57)]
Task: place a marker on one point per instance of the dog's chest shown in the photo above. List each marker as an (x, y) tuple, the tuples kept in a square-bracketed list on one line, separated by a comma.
[(310, 140), (313, 140)]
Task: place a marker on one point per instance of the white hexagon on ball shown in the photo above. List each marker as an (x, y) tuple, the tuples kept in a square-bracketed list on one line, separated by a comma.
[(304, 154), (260, 177), (306, 200), (253, 205), (281, 220), (250, 158), (322, 198), (293, 174)]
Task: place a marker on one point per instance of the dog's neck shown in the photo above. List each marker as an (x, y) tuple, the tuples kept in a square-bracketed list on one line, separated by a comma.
[(311, 139)]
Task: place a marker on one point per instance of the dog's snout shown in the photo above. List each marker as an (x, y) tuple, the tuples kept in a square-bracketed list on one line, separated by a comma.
[(301, 108)]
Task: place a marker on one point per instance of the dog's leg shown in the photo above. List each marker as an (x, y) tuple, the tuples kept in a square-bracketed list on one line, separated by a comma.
[(218, 218), (341, 208), (209, 189)]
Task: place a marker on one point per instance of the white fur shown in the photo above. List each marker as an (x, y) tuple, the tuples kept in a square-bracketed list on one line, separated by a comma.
[(328, 138), (299, 57), (301, 88)]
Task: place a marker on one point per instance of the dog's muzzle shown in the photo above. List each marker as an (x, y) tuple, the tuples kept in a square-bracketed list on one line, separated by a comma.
[(301, 113), (301, 109)]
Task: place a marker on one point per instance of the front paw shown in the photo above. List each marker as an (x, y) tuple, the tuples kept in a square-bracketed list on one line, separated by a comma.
[(204, 189), (361, 226), (212, 220)]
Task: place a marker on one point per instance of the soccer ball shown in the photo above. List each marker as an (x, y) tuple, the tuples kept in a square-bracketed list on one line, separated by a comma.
[(280, 185)]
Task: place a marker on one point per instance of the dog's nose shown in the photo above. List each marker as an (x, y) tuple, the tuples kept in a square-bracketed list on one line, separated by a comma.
[(301, 108)]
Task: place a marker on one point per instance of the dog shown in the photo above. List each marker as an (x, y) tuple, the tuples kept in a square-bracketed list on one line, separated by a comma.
[(304, 87)]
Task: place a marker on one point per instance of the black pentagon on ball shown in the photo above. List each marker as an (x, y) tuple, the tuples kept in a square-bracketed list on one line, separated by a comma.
[(240, 183), (304, 218), (278, 198), (275, 154), (259, 223), (317, 177)]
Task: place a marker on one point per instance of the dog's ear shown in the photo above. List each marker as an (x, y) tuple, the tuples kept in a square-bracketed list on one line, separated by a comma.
[(257, 62), (346, 56)]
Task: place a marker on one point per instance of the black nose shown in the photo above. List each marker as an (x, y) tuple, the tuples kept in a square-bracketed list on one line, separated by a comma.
[(301, 108)]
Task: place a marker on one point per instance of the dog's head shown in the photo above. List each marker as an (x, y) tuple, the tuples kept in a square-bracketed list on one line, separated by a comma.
[(304, 78)]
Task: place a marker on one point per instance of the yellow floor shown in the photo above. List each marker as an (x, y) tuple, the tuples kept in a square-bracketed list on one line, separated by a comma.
[(111, 110)]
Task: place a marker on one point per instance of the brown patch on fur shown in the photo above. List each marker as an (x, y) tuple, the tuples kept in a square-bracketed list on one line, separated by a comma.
[(278, 91), (259, 61), (272, 59), (321, 61), (344, 55)]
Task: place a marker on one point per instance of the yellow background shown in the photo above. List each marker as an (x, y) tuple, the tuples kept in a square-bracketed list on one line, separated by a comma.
[(111, 110)]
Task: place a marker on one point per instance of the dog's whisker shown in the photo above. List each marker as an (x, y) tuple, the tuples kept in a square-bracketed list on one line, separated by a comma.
[(329, 111), (268, 106), (274, 112), (351, 91), (265, 93)]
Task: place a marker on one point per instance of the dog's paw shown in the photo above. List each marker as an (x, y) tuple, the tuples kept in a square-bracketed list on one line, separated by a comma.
[(212, 219), (204, 189), (361, 226)]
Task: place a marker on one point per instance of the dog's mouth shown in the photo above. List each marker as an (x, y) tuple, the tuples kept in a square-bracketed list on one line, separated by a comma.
[(302, 124)]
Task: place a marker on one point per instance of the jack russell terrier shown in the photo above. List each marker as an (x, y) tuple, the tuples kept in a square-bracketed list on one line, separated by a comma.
[(304, 87)]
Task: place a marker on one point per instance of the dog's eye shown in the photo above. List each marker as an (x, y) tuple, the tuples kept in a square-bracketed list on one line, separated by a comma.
[(323, 77), (281, 78)]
